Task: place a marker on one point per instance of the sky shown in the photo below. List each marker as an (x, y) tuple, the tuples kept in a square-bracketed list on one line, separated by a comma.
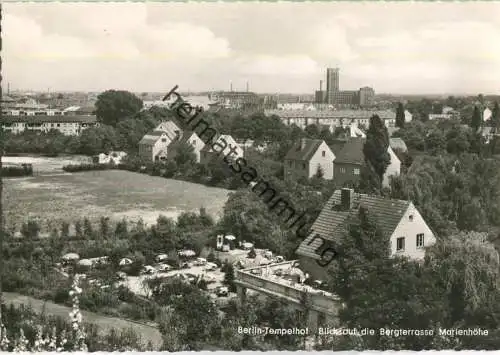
[(399, 48)]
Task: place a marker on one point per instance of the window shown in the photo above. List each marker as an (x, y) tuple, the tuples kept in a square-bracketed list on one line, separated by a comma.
[(411, 218), (164, 140), (290, 163), (323, 153), (400, 244), (303, 165), (420, 240), (342, 170), (356, 171)]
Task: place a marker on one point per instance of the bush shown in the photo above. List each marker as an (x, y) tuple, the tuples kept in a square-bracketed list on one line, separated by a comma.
[(211, 257), (252, 254)]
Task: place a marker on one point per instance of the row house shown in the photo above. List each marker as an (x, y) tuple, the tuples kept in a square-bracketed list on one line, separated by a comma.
[(67, 125), (332, 119)]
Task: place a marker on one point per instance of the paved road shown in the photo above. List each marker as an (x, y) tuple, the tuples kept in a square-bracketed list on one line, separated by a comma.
[(148, 333)]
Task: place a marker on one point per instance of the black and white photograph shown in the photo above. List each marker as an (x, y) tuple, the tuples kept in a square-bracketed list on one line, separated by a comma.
[(249, 176)]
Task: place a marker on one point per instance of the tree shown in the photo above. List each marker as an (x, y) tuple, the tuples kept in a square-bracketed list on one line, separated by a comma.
[(185, 155), (319, 172), (112, 106), (88, 231), (400, 116), (365, 264), (476, 119), (252, 254), (104, 226), (376, 146), (229, 277), (65, 229), (30, 229)]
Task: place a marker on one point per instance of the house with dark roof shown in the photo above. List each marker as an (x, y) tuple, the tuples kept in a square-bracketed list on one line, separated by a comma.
[(399, 220), (186, 137), (225, 143), (307, 157), (350, 161)]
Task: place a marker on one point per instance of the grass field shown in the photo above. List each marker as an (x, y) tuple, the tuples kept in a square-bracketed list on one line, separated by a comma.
[(147, 333), (111, 193)]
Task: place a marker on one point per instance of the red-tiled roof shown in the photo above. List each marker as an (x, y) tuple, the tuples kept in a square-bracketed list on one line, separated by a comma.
[(331, 220)]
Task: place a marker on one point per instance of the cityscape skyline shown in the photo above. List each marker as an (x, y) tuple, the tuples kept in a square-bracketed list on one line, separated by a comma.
[(451, 49)]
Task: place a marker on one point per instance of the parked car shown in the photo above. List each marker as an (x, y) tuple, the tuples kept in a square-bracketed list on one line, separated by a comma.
[(163, 268), (200, 262), (211, 267), (121, 275), (148, 270)]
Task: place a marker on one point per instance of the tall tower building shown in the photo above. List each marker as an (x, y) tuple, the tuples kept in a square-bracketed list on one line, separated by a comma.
[(332, 84)]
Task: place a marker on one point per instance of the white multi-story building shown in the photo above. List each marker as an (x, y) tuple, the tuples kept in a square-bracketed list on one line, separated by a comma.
[(68, 125), (332, 119)]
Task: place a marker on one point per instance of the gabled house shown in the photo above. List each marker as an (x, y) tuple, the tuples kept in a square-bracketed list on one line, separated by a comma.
[(306, 157), (225, 143), (190, 138), (153, 146), (399, 220), (350, 161)]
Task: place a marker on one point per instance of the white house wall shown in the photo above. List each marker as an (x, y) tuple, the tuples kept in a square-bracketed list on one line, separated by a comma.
[(393, 169), (325, 162), (409, 229)]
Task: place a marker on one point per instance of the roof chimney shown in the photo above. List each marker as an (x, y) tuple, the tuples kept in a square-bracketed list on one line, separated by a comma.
[(302, 144), (346, 198)]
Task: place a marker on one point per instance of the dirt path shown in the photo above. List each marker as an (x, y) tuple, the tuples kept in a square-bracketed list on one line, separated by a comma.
[(148, 333)]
